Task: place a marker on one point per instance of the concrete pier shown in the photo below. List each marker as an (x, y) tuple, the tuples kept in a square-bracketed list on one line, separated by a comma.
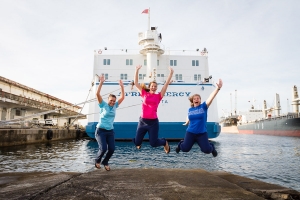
[(11, 137), (139, 184)]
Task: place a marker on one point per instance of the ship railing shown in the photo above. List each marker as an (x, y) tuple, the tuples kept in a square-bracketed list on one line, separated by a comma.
[(160, 80), (101, 52)]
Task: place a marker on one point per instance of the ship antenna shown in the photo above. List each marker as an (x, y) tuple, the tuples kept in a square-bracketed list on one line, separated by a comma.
[(149, 19)]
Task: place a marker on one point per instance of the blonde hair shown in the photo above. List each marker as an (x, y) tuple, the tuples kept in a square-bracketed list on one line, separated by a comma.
[(192, 97)]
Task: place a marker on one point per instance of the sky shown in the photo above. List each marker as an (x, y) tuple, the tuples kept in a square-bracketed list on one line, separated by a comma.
[(253, 46)]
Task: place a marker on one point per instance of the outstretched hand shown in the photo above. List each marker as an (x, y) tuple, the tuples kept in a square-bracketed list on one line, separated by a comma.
[(220, 84), (171, 69), (121, 83), (101, 78), (138, 67)]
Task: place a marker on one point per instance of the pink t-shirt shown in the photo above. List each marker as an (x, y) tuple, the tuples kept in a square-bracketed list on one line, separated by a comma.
[(150, 104)]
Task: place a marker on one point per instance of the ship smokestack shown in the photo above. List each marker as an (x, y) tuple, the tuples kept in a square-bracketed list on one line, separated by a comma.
[(277, 105), (295, 100)]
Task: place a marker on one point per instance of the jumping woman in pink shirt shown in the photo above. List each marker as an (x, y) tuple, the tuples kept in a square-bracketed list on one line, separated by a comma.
[(148, 120)]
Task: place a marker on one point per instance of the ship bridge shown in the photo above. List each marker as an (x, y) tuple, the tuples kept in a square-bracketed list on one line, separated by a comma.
[(150, 42), (18, 101)]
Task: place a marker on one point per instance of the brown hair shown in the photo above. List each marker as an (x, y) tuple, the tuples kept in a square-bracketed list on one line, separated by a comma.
[(146, 88), (112, 95), (192, 97)]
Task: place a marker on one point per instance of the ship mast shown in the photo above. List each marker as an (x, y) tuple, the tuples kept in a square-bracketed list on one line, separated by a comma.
[(265, 110), (277, 105), (150, 48)]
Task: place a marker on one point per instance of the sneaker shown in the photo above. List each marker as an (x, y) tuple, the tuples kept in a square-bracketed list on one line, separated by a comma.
[(178, 146), (177, 149), (214, 153)]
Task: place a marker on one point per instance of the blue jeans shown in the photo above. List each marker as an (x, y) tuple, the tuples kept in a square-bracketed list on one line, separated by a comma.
[(106, 141), (151, 126), (201, 139)]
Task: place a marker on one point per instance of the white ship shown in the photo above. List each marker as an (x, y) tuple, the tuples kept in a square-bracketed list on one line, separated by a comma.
[(191, 76)]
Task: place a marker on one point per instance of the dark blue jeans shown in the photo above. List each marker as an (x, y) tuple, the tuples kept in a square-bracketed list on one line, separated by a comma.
[(106, 141), (201, 139), (151, 126)]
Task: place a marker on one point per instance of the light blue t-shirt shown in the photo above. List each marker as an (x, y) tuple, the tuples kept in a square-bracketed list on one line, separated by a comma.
[(107, 115), (198, 118)]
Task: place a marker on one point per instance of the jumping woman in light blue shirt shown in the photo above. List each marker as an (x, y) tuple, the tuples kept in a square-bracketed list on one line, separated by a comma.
[(104, 133)]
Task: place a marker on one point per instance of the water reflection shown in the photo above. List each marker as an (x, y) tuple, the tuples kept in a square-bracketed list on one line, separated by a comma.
[(268, 158)]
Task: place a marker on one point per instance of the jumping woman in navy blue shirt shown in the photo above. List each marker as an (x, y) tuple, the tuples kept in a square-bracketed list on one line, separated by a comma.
[(197, 118)]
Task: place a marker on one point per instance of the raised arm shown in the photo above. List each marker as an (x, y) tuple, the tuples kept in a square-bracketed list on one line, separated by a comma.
[(101, 81), (136, 78), (168, 81), (122, 92), (214, 93)]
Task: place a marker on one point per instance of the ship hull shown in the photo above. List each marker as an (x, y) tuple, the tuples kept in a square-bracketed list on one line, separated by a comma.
[(277, 127), (169, 130)]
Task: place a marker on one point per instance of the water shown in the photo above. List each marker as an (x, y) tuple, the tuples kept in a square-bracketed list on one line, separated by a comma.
[(270, 159)]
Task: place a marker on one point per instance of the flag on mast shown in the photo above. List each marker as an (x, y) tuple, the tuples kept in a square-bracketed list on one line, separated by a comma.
[(145, 11)]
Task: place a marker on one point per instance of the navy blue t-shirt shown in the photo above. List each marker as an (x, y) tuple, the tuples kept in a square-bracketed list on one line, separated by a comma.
[(198, 118)]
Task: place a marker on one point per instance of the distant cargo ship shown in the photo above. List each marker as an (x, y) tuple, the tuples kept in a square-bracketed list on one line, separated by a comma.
[(266, 124), (229, 124)]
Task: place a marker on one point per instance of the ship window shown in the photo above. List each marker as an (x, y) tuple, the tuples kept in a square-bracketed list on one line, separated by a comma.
[(141, 76), (129, 62), (123, 77), (145, 62), (173, 62), (178, 77), (106, 61), (158, 75), (197, 77), (195, 62), (157, 62), (105, 76)]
